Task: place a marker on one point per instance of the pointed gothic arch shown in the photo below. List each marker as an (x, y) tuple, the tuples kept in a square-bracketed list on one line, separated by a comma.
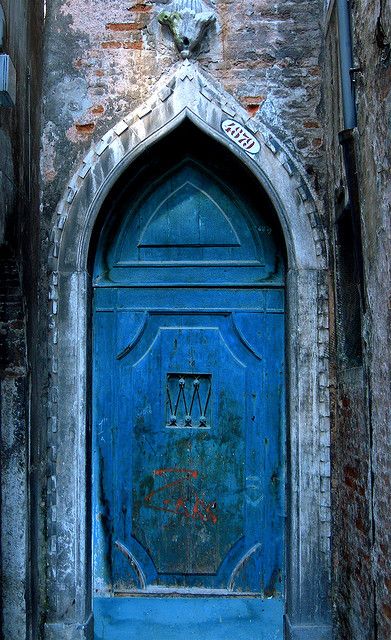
[(188, 94)]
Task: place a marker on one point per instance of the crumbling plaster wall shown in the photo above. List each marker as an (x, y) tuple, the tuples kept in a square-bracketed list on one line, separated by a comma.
[(103, 59), (361, 433)]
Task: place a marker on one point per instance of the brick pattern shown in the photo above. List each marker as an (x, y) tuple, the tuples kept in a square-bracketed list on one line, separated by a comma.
[(266, 56), (271, 50), (372, 35), (352, 518)]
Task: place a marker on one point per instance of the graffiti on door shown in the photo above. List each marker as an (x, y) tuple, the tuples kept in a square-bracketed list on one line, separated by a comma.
[(181, 497)]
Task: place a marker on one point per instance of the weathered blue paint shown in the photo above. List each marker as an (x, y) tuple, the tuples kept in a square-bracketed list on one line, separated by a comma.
[(191, 618), (188, 410)]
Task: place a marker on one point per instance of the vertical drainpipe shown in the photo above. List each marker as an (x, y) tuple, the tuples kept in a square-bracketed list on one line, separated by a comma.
[(346, 136), (346, 64)]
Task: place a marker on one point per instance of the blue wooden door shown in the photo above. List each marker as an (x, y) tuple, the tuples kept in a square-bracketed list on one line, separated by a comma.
[(188, 417)]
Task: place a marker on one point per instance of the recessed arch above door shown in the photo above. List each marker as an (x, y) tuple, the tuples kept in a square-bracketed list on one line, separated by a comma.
[(196, 204)]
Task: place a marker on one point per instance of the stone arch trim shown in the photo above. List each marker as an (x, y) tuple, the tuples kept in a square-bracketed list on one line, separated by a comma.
[(187, 93)]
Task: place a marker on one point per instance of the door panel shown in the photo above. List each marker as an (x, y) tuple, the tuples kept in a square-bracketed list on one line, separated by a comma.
[(193, 457), (187, 516), (187, 504)]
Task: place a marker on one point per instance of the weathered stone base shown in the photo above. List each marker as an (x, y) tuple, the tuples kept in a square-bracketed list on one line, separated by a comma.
[(307, 632), (84, 631), (70, 631)]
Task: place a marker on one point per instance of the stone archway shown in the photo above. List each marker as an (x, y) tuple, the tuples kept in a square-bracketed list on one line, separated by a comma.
[(187, 93)]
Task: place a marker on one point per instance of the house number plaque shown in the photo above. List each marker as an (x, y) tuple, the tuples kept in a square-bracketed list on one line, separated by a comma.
[(240, 136)]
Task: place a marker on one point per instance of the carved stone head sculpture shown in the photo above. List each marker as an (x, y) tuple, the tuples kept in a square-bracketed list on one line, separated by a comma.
[(188, 21)]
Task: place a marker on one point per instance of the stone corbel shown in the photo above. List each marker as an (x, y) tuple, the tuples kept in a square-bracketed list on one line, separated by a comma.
[(188, 22)]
